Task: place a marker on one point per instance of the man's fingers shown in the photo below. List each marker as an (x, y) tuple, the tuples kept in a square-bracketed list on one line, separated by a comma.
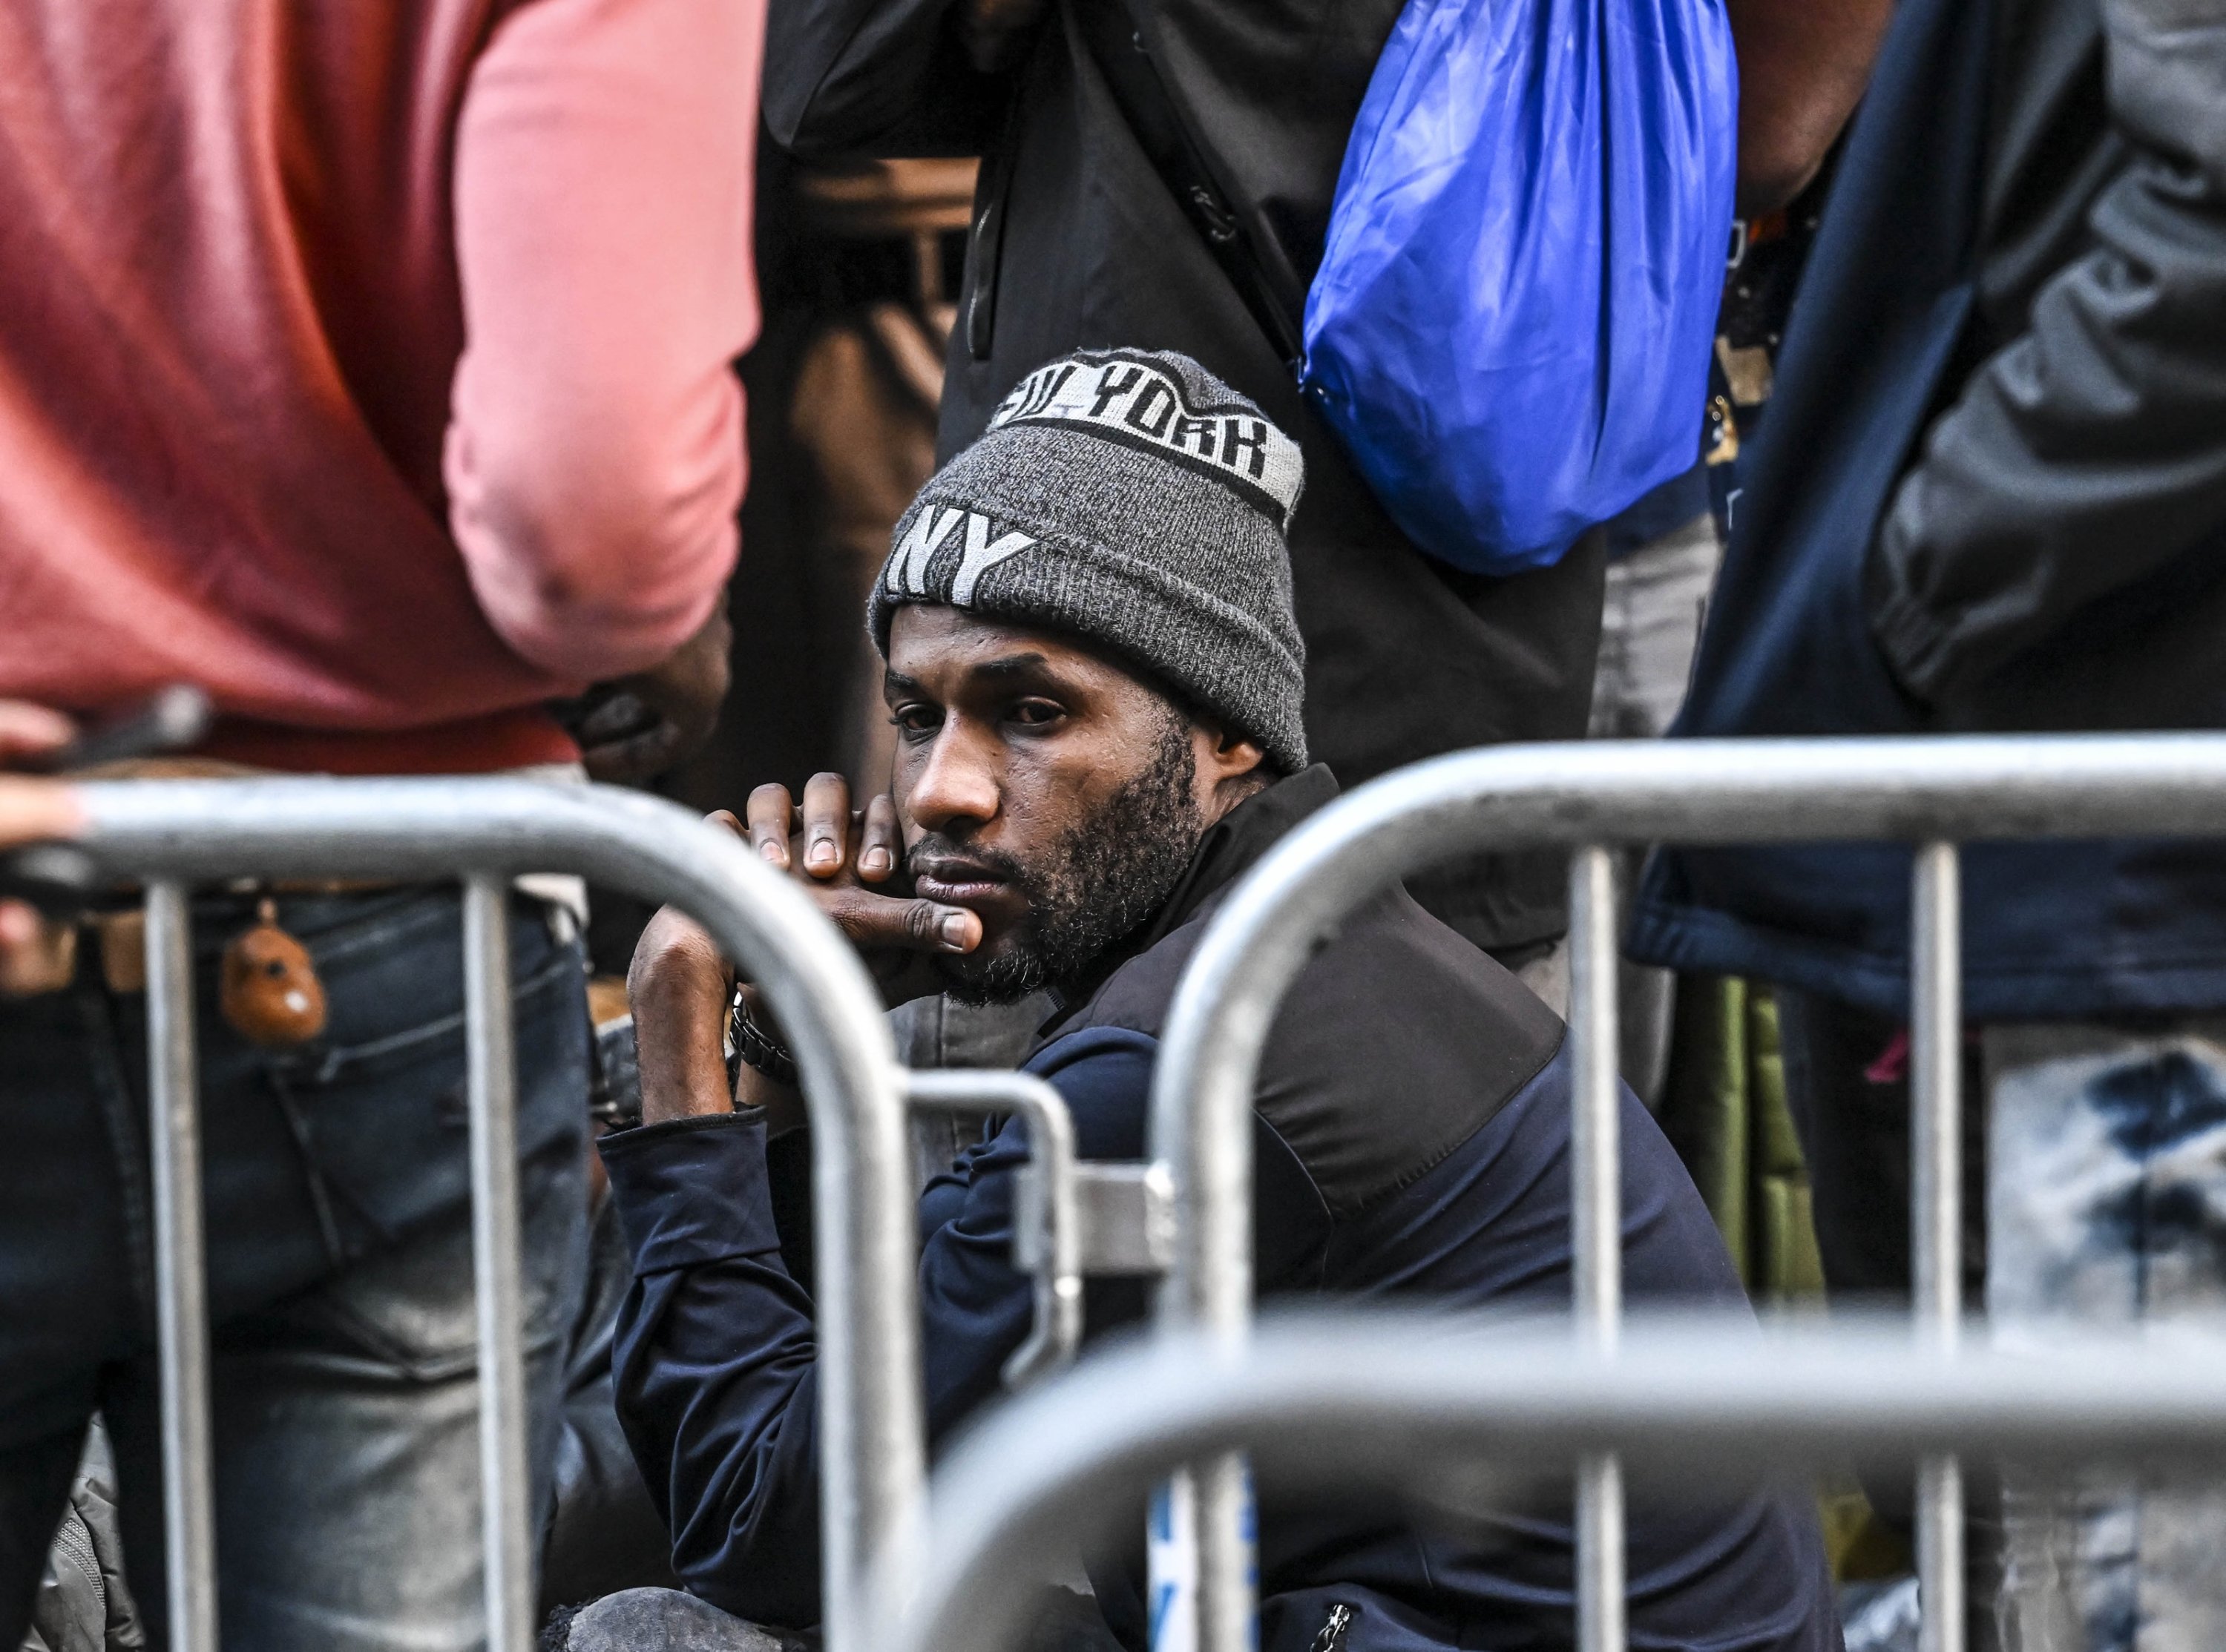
[(882, 845), (874, 921), (19, 925), (769, 812), (826, 824), (30, 809), (725, 819), (27, 730)]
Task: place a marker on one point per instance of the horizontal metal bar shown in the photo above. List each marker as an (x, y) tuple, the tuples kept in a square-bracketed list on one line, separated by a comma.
[(1124, 1218), (1362, 1400), (873, 1454), (1962, 788)]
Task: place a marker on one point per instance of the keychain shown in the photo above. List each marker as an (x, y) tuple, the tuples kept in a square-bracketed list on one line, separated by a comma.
[(271, 995)]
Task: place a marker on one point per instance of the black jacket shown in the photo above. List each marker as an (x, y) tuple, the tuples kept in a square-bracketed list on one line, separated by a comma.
[(1078, 241), (1411, 1142), (1991, 495), (2055, 556)]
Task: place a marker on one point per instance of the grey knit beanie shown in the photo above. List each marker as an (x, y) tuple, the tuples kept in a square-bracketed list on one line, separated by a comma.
[(1129, 498)]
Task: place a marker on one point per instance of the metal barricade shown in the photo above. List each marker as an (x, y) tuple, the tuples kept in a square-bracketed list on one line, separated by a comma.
[(1933, 793), (1048, 1231), (484, 833), (1405, 1402)]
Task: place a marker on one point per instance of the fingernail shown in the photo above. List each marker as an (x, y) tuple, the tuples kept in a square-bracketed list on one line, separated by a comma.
[(773, 851), (822, 853), (874, 860), (953, 930)]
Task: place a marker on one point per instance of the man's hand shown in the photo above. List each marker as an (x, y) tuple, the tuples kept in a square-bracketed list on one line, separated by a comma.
[(31, 810), (851, 861), (680, 986), (648, 722), (29, 731)]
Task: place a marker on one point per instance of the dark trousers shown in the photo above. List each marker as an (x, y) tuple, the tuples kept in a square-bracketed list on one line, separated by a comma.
[(339, 1276), (1847, 1084)]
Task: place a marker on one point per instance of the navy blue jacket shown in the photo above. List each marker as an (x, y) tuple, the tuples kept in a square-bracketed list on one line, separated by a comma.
[(1990, 495), (1413, 1140)]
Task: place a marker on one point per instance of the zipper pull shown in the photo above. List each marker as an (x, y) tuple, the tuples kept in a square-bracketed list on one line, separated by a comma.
[(1332, 1637)]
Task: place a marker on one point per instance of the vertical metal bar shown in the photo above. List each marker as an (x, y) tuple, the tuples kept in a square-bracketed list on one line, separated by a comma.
[(1209, 1155), (1935, 1209), (180, 1271), (496, 1270), (1185, 1548), (1597, 1223), (1228, 1610)]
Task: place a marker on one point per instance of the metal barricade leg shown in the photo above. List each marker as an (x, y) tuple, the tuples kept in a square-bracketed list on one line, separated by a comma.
[(1597, 1221), (496, 1266), (180, 1271), (1227, 1607), (1047, 1201), (1935, 1208)]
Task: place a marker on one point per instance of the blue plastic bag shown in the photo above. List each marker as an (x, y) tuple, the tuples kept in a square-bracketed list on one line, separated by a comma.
[(1511, 324)]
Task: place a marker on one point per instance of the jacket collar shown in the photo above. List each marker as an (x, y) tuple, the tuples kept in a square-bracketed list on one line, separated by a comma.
[(1229, 849)]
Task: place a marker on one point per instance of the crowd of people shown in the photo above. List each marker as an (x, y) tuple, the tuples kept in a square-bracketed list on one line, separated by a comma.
[(375, 371)]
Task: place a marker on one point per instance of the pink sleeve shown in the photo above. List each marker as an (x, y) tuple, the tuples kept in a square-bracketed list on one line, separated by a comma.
[(594, 455)]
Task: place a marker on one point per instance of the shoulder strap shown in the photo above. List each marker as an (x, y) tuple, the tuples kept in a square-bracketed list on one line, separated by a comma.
[(1246, 247)]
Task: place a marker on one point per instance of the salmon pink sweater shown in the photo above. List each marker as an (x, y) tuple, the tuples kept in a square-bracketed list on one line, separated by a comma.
[(369, 363)]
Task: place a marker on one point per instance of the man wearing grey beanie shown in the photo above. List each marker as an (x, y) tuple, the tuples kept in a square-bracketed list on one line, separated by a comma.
[(1095, 679)]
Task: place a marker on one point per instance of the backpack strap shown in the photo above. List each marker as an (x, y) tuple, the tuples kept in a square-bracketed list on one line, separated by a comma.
[(1241, 241)]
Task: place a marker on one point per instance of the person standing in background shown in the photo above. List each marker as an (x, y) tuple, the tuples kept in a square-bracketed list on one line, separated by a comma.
[(1120, 144), (1802, 67), (371, 370), (1991, 496)]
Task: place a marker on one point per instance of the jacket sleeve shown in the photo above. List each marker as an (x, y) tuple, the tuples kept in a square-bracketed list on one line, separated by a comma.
[(602, 207), (713, 1365), (2089, 452), (874, 76), (714, 1359)]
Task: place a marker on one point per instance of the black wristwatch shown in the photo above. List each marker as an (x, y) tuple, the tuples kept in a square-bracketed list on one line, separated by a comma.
[(751, 1045)]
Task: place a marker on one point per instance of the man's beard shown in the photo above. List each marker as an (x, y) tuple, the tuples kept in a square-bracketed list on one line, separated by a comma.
[(1103, 881)]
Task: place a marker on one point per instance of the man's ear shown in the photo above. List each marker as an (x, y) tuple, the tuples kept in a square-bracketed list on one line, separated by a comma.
[(1231, 767)]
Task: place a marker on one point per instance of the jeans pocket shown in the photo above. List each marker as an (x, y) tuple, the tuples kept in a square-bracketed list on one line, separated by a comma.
[(346, 1151), (410, 1312)]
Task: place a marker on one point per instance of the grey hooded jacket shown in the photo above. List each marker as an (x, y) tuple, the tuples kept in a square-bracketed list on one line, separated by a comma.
[(2052, 559)]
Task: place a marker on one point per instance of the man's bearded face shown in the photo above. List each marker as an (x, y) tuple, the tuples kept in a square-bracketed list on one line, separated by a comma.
[(1094, 885), (1043, 786)]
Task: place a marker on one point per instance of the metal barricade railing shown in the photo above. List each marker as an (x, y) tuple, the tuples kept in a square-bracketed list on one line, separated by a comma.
[(1932, 793), (1048, 1227), (1188, 1209), (169, 834), (1412, 1404)]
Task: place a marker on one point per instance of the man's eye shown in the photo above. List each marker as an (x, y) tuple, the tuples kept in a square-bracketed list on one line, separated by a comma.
[(914, 719), (1035, 714)]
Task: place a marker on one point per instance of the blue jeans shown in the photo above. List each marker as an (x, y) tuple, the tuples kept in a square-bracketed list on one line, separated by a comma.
[(2106, 1197), (345, 1388)]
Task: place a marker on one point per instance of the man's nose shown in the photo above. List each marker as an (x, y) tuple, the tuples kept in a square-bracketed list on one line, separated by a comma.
[(956, 790)]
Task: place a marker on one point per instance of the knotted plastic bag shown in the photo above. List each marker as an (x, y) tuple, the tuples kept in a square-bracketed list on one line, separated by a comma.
[(1510, 328)]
